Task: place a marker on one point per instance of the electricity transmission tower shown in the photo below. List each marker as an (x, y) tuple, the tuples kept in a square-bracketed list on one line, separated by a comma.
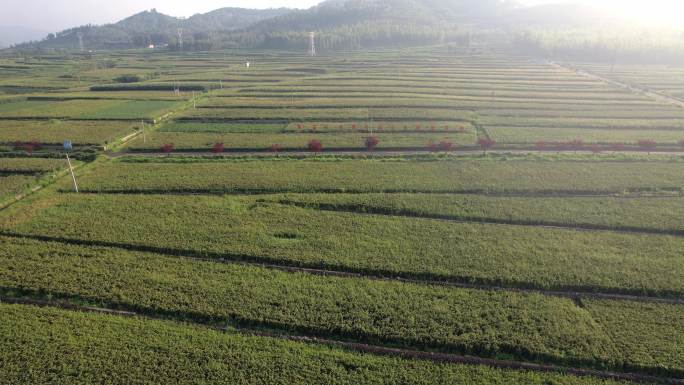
[(80, 41), (180, 39), (312, 43)]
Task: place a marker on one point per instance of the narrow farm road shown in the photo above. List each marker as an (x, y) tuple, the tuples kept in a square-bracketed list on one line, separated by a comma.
[(363, 152), (663, 98)]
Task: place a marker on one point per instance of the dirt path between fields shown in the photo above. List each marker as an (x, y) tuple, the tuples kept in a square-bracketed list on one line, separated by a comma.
[(380, 152)]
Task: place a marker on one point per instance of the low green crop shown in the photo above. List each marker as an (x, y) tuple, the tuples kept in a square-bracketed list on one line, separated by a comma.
[(49, 346), (488, 323), (391, 176), (644, 214), (241, 228)]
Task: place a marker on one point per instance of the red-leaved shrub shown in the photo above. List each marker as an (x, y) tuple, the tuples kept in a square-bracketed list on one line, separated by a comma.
[(218, 148), (167, 148), (371, 143), (615, 147), (445, 145), (486, 144), (647, 145), (29, 147), (315, 145), (577, 144), (541, 145)]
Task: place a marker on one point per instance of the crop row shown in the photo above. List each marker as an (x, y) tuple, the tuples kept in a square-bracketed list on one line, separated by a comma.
[(476, 100), (531, 135), (29, 165), (406, 126), (645, 214), (597, 123), (56, 131), (525, 326), (455, 176), (45, 346), (207, 141), (11, 185), (445, 83), (86, 109), (344, 114), (557, 107), (243, 229), (537, 94)]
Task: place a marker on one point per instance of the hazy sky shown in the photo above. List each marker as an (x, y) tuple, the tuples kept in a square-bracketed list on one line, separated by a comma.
[(54, 15)]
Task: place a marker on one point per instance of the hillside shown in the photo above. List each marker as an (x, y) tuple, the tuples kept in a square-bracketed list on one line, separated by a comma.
[(355, 24), (339, 24), (336, 13), (152, 27)]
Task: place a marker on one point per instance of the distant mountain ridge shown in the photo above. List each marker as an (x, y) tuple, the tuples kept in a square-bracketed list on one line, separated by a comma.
[(152, 27), (339, 24)]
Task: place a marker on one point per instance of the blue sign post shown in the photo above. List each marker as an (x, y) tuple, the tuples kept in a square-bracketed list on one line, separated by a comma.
[(68, 146)]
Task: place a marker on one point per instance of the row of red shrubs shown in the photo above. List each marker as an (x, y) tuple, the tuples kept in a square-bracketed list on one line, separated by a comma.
[(485, 144), (371, 144)]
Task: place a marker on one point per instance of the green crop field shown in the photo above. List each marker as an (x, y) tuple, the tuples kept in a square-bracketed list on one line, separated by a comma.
[(120, 348), (547, 258), (656, 213), (394, 216), (56, 131), (396, 175), (205, 141)]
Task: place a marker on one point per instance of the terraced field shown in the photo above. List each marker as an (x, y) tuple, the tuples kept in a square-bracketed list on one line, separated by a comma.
[(345, 263)]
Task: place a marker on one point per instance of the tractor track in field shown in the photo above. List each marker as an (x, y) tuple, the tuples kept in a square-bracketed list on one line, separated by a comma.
[(380, 350), (366, 210), (574, 293), (630, 194)]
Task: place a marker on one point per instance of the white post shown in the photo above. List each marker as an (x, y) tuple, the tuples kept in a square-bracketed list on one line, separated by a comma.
[(143, 131), (194, 103), (73, 176)]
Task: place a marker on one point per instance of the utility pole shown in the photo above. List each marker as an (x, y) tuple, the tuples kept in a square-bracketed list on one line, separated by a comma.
[(312, 44), (73, 176)]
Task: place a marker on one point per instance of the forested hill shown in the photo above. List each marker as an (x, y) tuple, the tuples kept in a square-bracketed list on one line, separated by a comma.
[(338, 13), (353, 24), (339, 25), (151, 27)]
